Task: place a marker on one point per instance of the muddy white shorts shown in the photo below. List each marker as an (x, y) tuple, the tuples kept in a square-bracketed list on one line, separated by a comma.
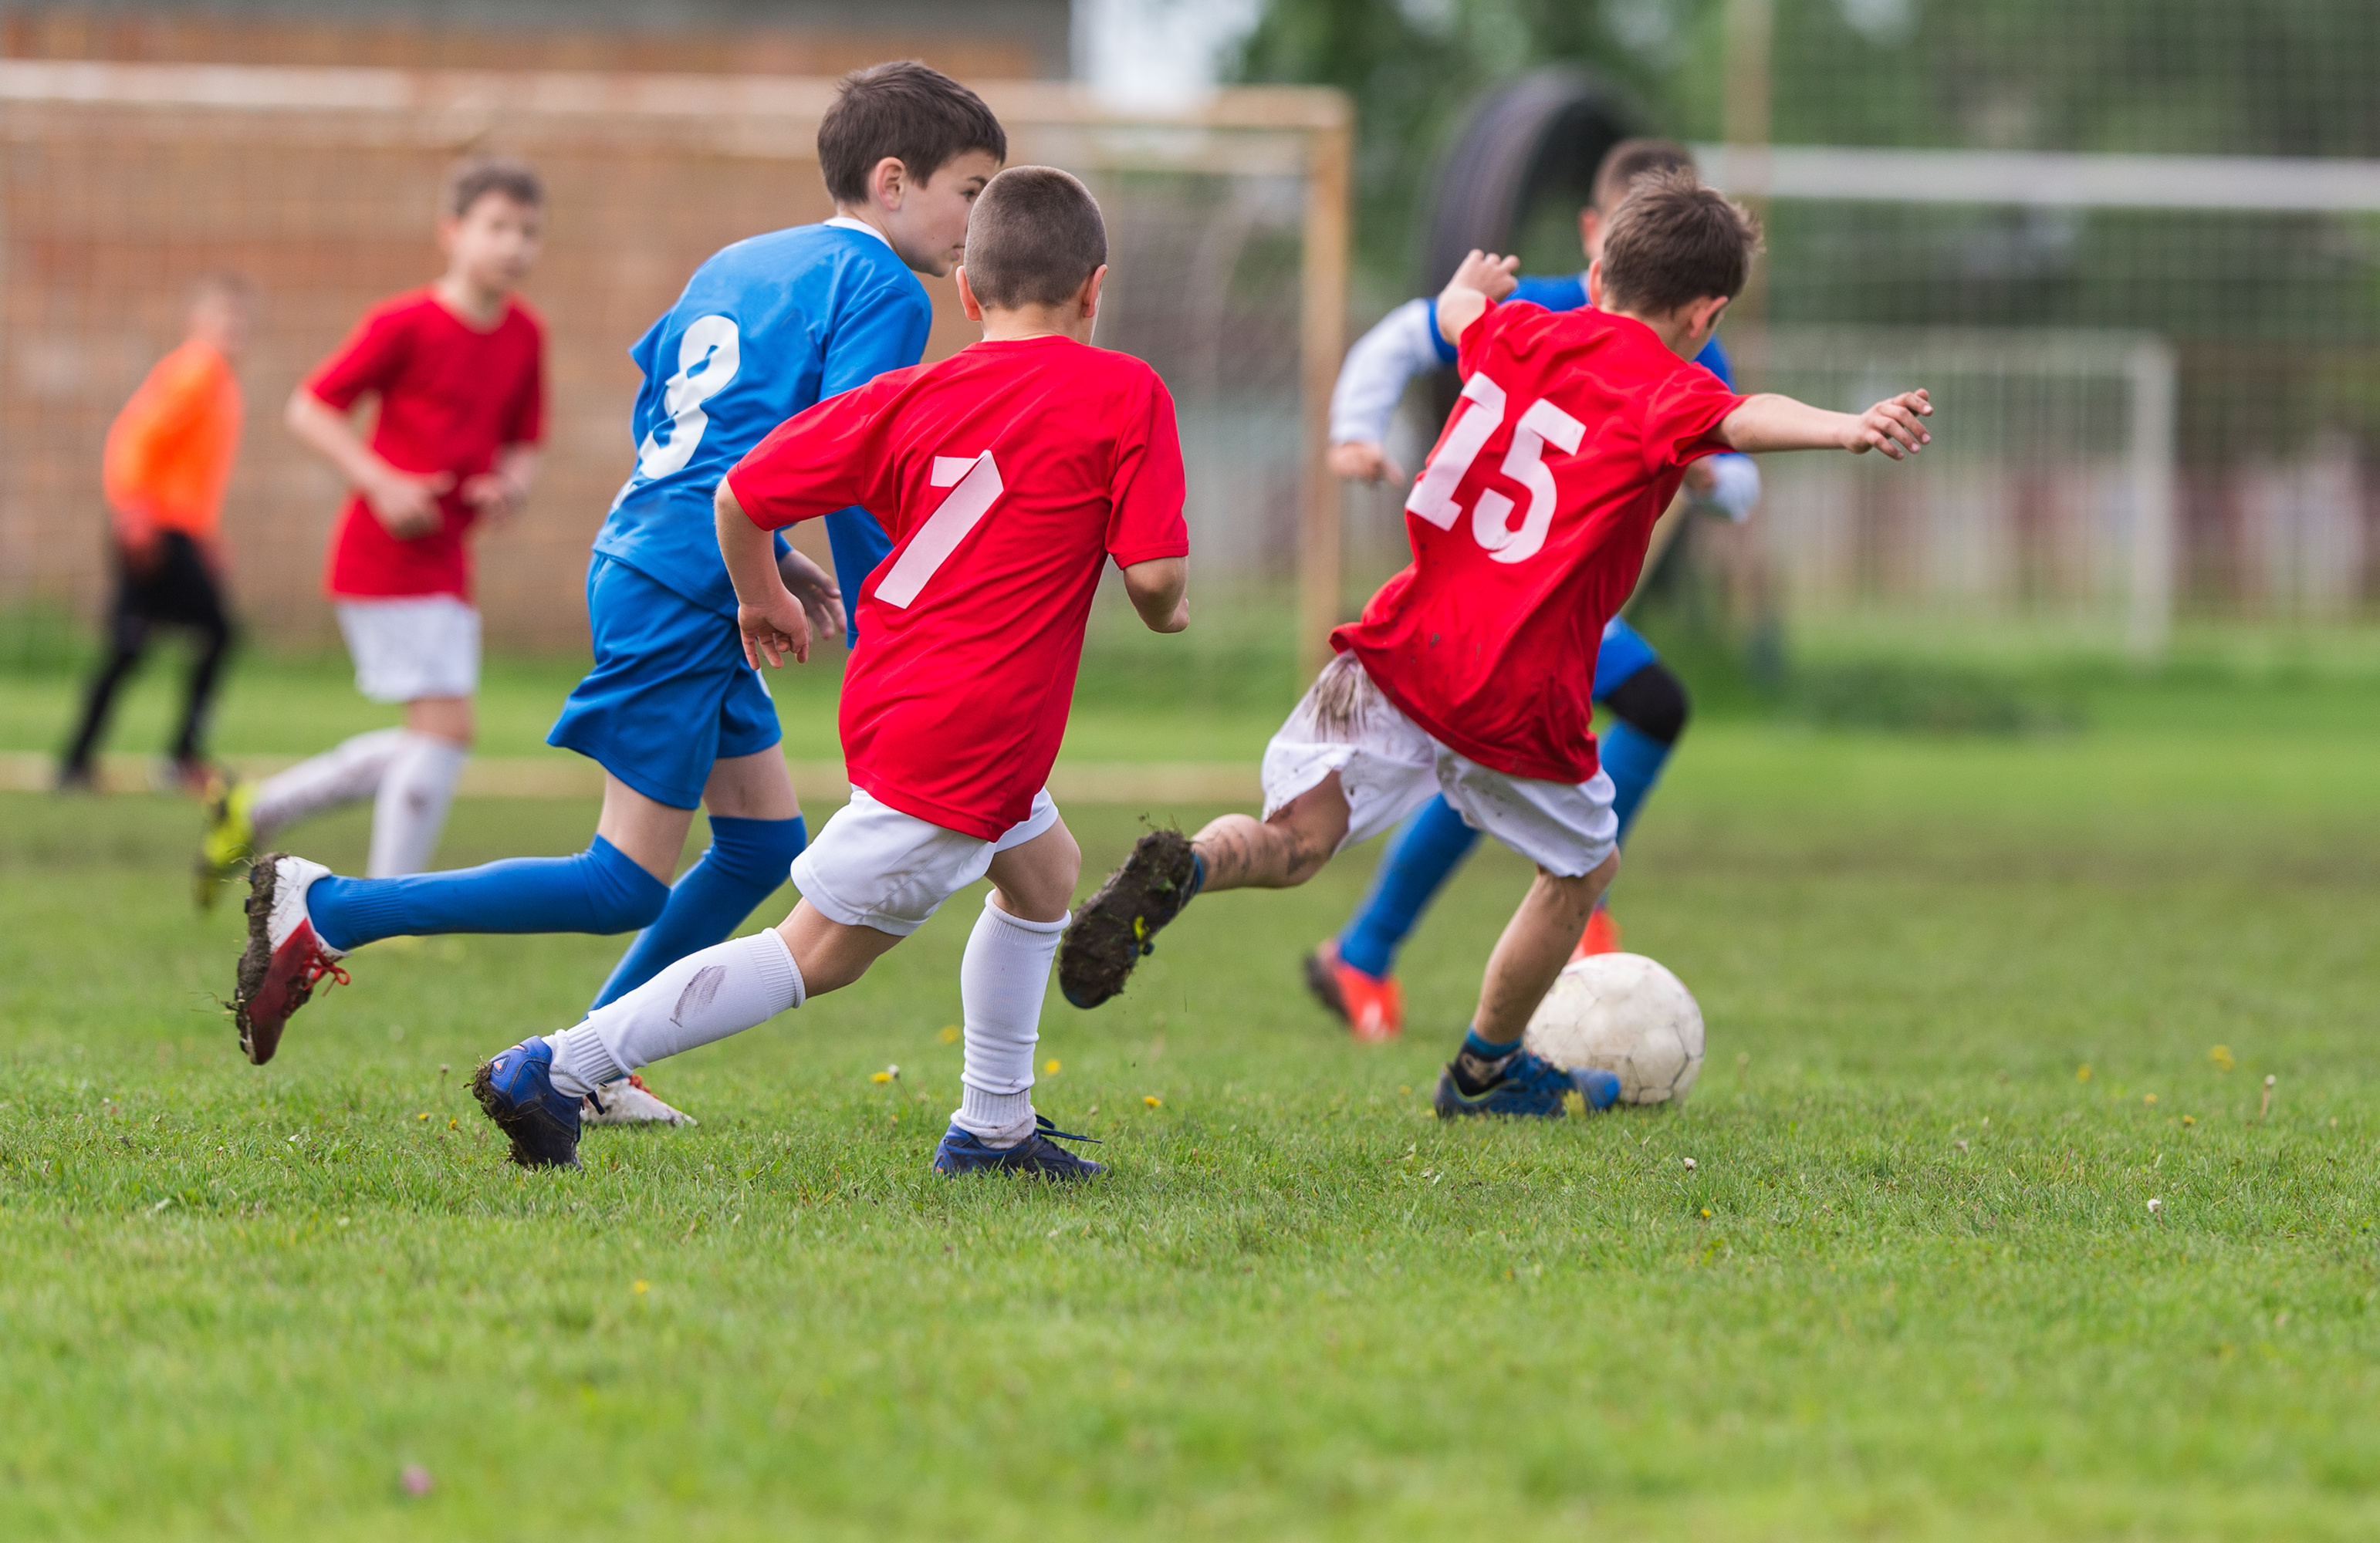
[(1388, 767), (871, 865), (412, 646)]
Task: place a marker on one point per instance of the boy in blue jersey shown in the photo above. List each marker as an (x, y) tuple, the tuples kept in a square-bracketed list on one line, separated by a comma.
[(1352, 974), (672, 711)]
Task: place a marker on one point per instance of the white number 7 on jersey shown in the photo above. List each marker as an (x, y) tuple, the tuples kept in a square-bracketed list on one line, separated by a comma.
[(977, 480)]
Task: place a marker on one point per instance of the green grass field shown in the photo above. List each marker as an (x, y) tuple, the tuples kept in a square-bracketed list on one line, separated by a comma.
[(1964, 995)]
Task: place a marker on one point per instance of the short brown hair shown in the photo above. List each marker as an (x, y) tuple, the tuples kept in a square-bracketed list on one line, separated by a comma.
[(1034, 237), (1630, 160), (915, 114), (1673, 241), (469, 181)]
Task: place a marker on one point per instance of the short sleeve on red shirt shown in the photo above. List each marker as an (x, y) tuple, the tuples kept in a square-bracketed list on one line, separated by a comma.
[(1148, 487), (1681, 420), (817, 461), (370, 358)]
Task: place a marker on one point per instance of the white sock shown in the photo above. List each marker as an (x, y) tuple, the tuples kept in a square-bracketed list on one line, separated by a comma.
[(722, 990), (347, 771), (410, 812), (1002, 979)]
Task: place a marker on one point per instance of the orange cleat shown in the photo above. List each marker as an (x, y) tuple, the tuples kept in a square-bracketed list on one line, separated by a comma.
[(1602, 937), (1373, 1006)]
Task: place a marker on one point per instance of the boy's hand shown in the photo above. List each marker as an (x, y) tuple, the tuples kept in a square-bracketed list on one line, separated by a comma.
[(1491, 275), (820, 596), (1478, 278), (407, 503), (774, 628), (1893, 427), (495, 496), (1361, 461)]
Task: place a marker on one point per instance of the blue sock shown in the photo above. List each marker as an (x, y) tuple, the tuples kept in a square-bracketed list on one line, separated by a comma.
[(599, 890), (1634, 759), (1488, 1050), (745, 863), (1432, 845)]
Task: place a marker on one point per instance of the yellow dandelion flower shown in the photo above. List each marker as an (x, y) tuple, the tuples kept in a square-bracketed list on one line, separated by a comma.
[(950, 1033), (2082, 1072), (2222, 1057), (1050, 1067), (1153, 1101)]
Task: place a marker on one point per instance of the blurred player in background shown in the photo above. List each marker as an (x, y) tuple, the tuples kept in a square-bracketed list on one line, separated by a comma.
[(1009, 476), (672, 711), (1469, 675), (458, 372), (1354, 974), (169, 456)]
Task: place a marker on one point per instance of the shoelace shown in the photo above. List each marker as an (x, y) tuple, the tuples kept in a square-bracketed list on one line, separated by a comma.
[(319, 968), (1043, 1127)]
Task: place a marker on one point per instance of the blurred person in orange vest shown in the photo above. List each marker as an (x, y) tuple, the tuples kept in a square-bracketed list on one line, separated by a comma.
[(169, 454)]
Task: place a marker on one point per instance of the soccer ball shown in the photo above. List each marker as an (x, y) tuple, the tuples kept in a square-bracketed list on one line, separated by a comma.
[(1626, 1015)]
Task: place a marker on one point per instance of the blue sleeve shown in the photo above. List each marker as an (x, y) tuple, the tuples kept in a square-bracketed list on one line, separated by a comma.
[(886, 329), (1566, 292), (1714, 358), (1446, 353), (882, 328)]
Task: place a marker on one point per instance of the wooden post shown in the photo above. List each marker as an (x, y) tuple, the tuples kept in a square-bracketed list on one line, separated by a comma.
[(1322, 339)]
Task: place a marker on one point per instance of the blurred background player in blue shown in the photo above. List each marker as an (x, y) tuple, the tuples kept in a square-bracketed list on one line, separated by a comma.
[(677, 719), (1354, 974)]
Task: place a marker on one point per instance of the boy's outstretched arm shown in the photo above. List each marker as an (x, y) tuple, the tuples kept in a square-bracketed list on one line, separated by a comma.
[(771, 622), (1771, 422), (1161, 591)]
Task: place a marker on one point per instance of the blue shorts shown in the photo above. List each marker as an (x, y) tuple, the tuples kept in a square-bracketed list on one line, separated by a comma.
[(670, 692), (1625, 651)]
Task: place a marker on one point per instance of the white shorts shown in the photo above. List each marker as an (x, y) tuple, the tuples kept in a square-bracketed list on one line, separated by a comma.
[(871, 865), (413, 646), (1387, 767)]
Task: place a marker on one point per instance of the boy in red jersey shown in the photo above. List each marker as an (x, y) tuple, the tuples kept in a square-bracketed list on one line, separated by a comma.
[(458, 370), (1470, 672), (1008, 476)]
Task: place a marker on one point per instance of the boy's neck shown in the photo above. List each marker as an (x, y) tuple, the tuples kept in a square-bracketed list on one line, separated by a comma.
[(474, 303), (1035, 322), (867, 214), (1675, 330)]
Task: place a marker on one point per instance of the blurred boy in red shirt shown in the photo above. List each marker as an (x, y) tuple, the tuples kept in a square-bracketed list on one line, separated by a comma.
[(457, 371), (169, 456)]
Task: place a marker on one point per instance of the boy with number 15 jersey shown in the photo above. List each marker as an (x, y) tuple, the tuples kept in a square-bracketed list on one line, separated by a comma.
[(671, 710)]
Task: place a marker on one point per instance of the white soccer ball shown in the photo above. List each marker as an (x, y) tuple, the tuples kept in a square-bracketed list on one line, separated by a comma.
[(1626, 1015)]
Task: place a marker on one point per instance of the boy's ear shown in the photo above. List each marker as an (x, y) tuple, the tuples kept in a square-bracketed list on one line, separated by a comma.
[(1594, 278), (448, 228), (968, 301), (1590, 225), (888, 182), (1086, 298), (1705, 314)]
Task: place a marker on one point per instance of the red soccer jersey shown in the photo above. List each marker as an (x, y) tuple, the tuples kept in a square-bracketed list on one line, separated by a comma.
[(1007, 476), (1528, 525), (451, 396)]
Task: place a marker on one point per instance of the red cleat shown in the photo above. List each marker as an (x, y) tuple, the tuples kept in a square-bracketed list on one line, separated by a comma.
[(1373, 1006), (1602, 937), (283, 961)]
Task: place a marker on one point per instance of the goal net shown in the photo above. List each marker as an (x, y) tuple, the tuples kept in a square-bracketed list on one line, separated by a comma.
[(2154, 375), (120, 184)]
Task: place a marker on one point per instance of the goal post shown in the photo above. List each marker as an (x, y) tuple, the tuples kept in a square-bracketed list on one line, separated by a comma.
[(121, 184)]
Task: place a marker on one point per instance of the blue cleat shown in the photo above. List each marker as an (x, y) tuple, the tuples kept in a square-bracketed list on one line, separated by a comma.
[(1521, 1085), (1038, 1153), (516, 1089)]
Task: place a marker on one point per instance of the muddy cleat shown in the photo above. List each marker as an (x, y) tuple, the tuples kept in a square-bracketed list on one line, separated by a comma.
[(230, 837), (1373, 1006), (629, 1102), (283, 961), (1038, 1153), (1521, 1085), (516, 1089), (1118, 926), (1602, 937)]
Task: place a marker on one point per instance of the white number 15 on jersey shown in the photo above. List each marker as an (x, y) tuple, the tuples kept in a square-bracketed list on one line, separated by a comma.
[(1542, 424)]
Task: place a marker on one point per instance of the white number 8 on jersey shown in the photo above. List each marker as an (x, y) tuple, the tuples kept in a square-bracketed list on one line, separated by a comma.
[(707, 357), (1541, 424)]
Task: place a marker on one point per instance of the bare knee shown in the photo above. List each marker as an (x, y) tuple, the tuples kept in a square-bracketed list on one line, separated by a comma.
[(1034, 882), (1579, 892)]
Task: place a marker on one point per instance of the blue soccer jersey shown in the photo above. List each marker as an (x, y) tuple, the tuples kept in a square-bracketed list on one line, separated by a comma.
[(767, 328)]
